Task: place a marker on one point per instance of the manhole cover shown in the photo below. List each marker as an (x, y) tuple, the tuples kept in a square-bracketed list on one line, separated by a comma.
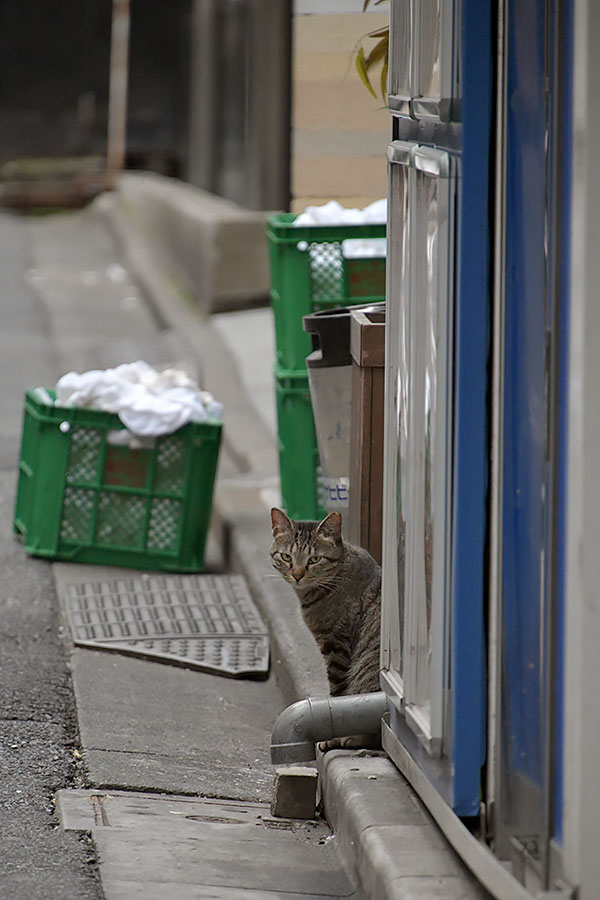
[(205, 621)]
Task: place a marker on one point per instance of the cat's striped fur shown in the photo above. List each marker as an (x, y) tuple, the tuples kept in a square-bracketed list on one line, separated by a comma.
[(339, 589)]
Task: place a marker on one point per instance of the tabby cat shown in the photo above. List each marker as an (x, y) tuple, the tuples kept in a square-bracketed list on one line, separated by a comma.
[(339, 589)]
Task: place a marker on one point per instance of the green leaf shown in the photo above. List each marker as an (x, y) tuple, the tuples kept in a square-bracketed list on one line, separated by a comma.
[(379, 51), (381, 32), (361, 68), (384, 74)]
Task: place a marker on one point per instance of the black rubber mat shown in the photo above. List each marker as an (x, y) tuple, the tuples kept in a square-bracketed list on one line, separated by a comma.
[(208, 622)]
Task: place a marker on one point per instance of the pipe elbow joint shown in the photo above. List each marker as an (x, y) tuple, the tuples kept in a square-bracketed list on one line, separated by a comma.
[(307, 722)]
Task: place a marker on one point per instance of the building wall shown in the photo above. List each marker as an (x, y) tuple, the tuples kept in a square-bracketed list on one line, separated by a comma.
[(54, 80), (340, 132)]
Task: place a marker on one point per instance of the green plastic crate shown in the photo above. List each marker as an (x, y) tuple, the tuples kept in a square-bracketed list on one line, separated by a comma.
[(309, 272), (82, 498), (298, 452)]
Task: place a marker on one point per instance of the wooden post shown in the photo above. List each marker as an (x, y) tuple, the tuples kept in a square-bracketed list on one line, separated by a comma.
[(367, 347), (117, 94)]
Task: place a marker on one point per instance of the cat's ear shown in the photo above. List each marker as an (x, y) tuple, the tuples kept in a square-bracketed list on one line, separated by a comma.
[(280, 521), (331, 526)]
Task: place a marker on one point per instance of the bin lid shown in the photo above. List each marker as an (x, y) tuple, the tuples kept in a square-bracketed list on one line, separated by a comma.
[(330, 332)]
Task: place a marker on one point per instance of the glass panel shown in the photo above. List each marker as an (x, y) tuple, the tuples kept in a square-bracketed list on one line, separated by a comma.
[(429, 447), (397, 387), (402, 410), (433, 82), (427, 199), (418, 437), (401, 56), (429, 48), (423, 396)]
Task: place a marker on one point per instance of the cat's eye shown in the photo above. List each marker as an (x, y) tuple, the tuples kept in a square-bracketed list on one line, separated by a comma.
[(315, 559), (286, 557)]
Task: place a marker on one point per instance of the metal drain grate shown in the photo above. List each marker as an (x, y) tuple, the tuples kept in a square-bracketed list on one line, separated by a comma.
[(205, 621)]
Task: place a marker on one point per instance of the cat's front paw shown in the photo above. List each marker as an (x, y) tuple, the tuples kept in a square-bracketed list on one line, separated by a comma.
[(333, 744), (352, 742)]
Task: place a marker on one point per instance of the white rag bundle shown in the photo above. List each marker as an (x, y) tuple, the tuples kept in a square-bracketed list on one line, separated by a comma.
[(333, 213), (149, 403)]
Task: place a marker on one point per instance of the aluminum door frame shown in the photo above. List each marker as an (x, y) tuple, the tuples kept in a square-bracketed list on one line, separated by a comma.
[(455, 780), (438, 167), (411, 23), (527, 823), (418, 663)]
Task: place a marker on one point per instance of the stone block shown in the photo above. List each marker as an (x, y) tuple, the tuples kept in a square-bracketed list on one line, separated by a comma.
[(212, 249), (295, 792)]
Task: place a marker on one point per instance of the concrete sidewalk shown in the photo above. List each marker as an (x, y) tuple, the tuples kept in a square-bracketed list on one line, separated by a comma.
[(387, 837), (176, 733)]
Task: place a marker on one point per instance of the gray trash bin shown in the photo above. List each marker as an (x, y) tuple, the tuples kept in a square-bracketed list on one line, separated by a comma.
[(330, 382)]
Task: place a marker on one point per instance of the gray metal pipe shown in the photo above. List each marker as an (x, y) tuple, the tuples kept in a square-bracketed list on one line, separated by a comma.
[(307, 722)]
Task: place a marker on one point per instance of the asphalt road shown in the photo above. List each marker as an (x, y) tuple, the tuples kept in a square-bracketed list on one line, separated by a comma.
[(38, 730)]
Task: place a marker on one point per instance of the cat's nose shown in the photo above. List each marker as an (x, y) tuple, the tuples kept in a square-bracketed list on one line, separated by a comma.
[(297, 573)]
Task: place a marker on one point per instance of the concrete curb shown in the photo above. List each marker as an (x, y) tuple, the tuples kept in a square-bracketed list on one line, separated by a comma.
[(213, 248), (389, 840)]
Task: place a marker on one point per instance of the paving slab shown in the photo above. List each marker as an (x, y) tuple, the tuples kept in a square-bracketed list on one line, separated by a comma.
[(250, 337), (146, 724), (151, 725), (89, 297), (27, 355), (188, 848)]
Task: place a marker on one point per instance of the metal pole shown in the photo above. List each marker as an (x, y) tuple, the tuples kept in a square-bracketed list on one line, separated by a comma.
[(117, 96)]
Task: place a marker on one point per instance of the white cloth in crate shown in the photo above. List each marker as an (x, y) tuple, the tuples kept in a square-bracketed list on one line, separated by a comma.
[(333, 213), (149, 403)]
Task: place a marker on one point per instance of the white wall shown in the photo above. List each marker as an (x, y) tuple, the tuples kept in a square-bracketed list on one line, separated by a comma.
[(330, 7)]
